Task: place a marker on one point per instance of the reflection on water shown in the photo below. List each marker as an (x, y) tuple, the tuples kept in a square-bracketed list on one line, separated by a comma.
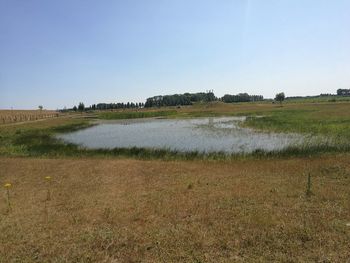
[(201, 134)]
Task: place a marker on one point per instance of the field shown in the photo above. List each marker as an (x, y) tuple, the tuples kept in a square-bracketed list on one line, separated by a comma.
[(152, 206), (11, 116)]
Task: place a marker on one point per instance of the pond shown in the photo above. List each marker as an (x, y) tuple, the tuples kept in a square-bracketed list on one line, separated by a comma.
[(204, 135)]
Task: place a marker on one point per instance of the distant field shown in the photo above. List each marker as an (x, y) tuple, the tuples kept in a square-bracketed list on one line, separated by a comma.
[(318, 99), (11, 116)]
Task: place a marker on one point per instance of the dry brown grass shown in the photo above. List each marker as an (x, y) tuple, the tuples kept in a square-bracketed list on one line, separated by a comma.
[(105, 210), (41, 125), (12, 116)]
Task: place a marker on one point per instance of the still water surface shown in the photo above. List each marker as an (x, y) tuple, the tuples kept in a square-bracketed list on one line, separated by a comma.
[(202, 134)]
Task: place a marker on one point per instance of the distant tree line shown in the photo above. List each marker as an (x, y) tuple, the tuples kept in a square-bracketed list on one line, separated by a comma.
[(81, 107), (326, 94), (190, 98), (119, 105), (170, 100), (311, 97), (106, 106), (241, 97), (340, 92), (343, 92), (180, 99)]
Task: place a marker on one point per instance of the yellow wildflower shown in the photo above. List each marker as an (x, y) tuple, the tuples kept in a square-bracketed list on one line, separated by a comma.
[(7, 185)]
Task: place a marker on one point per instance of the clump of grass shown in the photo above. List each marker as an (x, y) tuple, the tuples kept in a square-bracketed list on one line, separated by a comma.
[(190, 186), (48, 196), (308, 186)]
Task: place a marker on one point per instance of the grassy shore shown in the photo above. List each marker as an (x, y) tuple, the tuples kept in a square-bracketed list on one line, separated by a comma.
[(37, 138), (330, 120)]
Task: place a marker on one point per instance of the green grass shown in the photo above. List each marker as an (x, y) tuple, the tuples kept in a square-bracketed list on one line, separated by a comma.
[(36, 140), (308, 121)]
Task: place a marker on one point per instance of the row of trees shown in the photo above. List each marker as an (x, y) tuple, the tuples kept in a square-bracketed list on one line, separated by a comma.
[(180, 99), (189, 98), (119, 105), (108, 106), (241, 97), (81, 107), (176, 100)]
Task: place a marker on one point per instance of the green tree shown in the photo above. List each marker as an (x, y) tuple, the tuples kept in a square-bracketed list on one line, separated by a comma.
[(280, 97), (81, 106), (40, 107)]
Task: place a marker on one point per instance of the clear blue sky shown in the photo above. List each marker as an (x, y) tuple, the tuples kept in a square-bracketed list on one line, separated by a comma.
[(57, 53)]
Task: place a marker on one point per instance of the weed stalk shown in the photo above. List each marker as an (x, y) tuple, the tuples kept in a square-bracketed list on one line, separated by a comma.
[(308, 186), (8, 186)]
